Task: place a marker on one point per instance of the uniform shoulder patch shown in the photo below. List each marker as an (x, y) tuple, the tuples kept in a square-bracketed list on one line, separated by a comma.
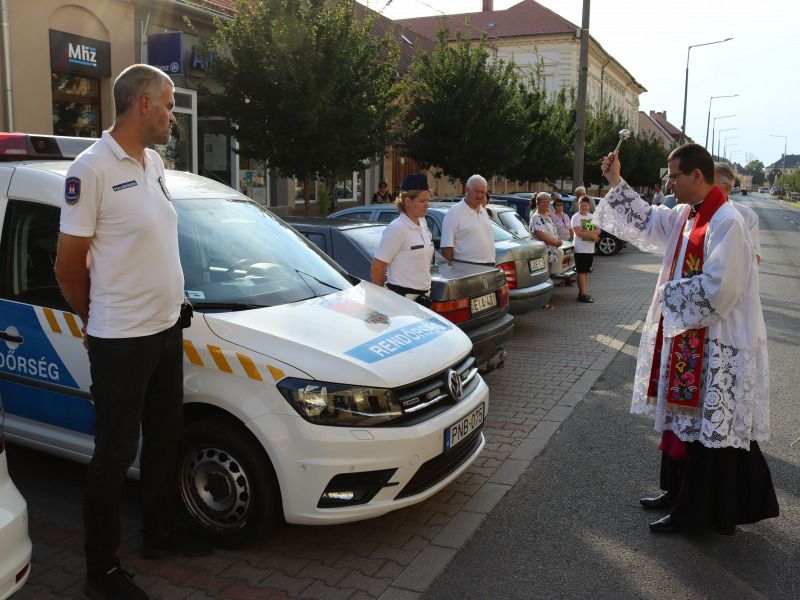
[(72, 190)]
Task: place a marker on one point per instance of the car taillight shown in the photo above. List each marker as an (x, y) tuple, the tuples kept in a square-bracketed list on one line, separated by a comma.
[(565, 262), (13, 144), (510, 269), (454, 311), (504, 295)]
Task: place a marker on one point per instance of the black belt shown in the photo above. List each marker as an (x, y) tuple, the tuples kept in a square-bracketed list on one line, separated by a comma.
[(399, 289)]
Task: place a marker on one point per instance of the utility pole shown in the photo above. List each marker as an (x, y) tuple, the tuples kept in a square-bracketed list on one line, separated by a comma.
[(580, 125)]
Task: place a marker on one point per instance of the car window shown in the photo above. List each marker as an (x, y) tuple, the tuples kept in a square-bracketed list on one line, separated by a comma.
[(435, 231), (514, 223), (236, 251), (501, 234), (28, 255), (317, 239), (387, 216), (366, 238)]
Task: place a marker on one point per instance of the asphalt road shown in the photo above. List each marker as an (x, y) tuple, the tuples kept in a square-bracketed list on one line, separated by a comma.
[(572, 527)]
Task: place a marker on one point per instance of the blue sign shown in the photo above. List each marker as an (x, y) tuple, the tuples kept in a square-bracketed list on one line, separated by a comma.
[(400, 340), (165, 52)]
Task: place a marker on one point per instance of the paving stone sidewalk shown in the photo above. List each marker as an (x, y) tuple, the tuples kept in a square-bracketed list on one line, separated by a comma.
[(554, 359)]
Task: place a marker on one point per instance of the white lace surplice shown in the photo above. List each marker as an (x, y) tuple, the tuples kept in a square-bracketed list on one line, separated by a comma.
[(734, 382)]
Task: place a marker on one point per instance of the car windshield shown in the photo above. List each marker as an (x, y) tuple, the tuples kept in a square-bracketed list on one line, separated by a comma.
[(235, 254), (514, 223)]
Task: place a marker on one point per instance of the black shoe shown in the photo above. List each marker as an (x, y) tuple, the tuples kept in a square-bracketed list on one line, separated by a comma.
[(665, 525), (176, 543), (585, 298), (114, 584), (661, 501)]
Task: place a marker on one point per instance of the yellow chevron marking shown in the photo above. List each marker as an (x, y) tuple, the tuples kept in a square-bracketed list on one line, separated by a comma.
[(219, 358), (51, 319), (192, 354), (249, 367), (277, 374), (73, 325)]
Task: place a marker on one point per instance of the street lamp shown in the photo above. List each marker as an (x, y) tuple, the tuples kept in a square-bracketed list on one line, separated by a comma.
[(712, 132), (686, 85), (725, 152), (783, 169), (719, 142), (709, 118)]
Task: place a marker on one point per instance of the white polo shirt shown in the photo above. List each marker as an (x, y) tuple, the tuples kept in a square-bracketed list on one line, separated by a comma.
[(136, 277), (407, 249), (469, 232)]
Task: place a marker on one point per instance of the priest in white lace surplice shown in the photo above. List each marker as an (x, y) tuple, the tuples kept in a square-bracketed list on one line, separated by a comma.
[(717, 399)]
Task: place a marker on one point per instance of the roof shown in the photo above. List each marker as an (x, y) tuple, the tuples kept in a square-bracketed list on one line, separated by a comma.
[(332, 223), (525, 19), (661, 119), (792, 162)]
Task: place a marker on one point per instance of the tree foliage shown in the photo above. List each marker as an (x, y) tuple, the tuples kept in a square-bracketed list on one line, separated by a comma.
[(304, 86), (548, 133), (465, 112), (756, 169)]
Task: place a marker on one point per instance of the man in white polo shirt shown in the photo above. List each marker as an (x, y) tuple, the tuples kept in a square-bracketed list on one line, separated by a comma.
[(467, 233), (119, 268)]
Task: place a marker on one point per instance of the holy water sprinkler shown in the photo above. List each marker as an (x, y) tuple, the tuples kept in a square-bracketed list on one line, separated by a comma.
[(624, 134)]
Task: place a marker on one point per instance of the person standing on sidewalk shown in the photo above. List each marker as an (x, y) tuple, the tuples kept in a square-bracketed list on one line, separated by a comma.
[(544, 229), (723, 176), (586, 235), (702, 370), (658, 197), (564, 228), (117, 218)]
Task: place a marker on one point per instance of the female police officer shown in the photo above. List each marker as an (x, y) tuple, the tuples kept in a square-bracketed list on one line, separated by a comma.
[(406, 247)]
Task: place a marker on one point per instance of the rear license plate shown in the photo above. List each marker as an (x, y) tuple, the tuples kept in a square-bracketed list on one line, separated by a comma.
[(537, 264), (482, 303), (458, 431)]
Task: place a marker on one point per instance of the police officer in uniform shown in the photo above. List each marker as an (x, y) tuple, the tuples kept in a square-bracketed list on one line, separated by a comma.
[(406, 247)]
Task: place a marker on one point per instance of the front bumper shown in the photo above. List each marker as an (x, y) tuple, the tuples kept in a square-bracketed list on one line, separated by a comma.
[(308, 457)]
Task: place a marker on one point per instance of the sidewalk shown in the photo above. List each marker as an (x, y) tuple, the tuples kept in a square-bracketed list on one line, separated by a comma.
[(555, 357)]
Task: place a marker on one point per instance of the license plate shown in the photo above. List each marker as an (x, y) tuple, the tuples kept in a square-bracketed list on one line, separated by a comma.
[(482, 303), (458, 431), (537, 264)]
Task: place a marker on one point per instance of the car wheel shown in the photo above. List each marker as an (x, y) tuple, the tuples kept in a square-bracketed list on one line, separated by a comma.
[(228, 488), (607, 246)]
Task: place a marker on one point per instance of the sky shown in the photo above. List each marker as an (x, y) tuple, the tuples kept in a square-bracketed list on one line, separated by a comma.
[(651, 40)]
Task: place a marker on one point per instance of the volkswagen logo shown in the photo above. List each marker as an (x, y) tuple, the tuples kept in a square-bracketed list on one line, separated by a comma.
[(454, 385)]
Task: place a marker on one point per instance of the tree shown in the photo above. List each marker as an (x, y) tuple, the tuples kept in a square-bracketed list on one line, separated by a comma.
[(647, 156), (304, 86), (465, 112), (548, 134), (756, 169), (602, 136)]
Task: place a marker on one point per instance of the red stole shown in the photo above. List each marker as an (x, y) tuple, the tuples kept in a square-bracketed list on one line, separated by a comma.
[(686, 361)]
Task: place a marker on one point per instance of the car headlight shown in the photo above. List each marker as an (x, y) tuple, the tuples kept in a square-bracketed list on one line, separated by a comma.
[(341, 405)]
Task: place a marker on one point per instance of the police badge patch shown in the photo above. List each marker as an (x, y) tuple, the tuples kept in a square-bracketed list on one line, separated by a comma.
[(72, 190)]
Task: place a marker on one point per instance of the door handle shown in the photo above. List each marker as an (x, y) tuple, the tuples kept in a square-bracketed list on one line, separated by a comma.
[(10, 338)]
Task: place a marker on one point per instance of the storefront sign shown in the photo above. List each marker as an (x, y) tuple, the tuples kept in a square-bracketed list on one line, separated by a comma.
[(79, 54), (165, 52)]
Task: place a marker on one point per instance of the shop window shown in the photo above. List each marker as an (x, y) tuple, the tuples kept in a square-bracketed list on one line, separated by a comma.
[(76, 105), (252, 179)]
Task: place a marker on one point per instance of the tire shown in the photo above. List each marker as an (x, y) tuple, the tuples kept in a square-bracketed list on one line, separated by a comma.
[(228, 488), (607, 246)]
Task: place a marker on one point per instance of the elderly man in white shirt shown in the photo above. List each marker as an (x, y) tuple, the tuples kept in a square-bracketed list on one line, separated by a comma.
[(467, 233)]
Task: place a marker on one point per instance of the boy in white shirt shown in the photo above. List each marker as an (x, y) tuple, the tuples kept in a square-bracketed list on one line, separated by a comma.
[(586, 235)]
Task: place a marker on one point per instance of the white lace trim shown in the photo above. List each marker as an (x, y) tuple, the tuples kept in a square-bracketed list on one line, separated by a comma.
[(734, 405)]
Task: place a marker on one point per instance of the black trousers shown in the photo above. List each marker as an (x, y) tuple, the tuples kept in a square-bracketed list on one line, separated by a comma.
[(719, 488), (135, 382)]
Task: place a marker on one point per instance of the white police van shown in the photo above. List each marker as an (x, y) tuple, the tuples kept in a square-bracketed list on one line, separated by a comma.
[(309, 395)]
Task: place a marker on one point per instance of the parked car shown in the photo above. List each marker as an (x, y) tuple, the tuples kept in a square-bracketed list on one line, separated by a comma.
[(15, 543), (508, 217), (774, 191), (763, 190), (302, 397), (524, 262), (474, 297)]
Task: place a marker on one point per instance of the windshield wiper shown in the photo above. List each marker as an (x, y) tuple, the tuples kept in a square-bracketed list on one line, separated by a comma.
[(325, 283), (228, 305)]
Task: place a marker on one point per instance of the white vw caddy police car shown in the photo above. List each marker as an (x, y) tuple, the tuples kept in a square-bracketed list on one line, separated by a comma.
[(308, 395)]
